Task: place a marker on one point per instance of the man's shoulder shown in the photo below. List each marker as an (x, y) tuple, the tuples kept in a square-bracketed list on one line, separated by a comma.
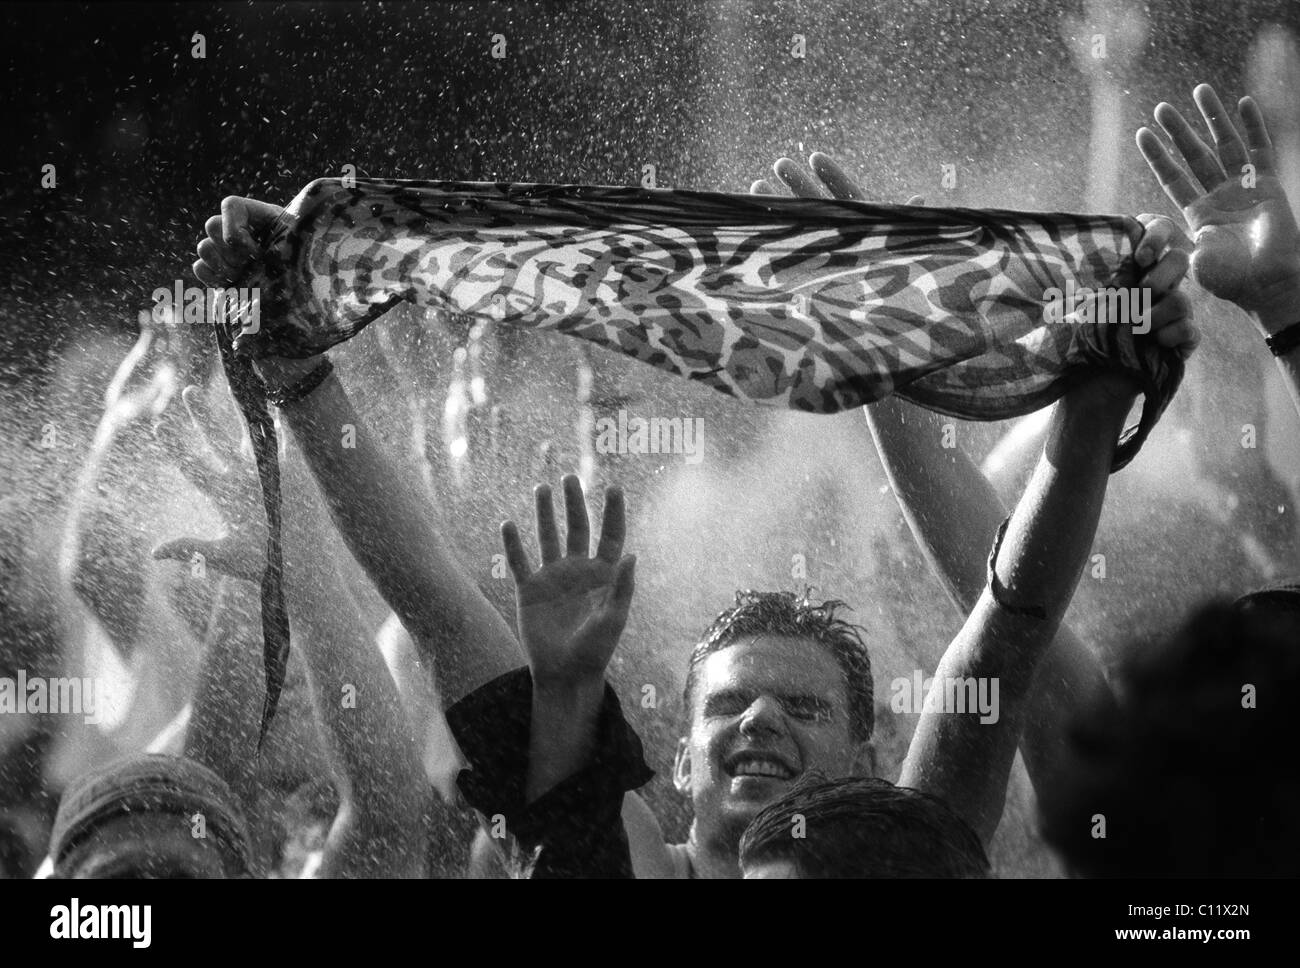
[(651, 857)]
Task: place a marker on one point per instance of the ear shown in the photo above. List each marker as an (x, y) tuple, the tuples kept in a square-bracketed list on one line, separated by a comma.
[(864, 759), (682, 767)]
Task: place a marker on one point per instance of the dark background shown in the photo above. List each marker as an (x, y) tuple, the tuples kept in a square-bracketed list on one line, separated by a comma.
[(147, 139)]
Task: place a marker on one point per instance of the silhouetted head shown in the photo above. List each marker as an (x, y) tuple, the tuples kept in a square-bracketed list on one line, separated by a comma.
[(150, 816), (859, 827), (778, 686), (1193, 771)]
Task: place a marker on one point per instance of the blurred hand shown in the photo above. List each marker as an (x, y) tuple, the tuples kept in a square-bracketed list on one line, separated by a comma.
[(573, 609), (212, 462), (825, 174), (1247, 241)]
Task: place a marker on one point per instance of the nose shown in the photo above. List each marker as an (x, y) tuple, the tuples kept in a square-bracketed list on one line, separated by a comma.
[(764, 715)]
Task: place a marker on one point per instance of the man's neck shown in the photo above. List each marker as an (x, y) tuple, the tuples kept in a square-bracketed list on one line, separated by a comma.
[(713, 859)]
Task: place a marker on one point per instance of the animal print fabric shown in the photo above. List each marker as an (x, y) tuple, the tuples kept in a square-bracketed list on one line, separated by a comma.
[(813, 304)]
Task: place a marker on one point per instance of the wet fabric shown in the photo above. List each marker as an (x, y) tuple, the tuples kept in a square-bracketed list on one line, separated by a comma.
[(575, 829), (813, 304)]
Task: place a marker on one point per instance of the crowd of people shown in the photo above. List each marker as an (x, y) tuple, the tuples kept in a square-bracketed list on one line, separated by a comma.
[(776, 756)]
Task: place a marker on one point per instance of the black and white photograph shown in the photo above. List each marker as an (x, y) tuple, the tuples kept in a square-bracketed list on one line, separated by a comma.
[(763, 439)]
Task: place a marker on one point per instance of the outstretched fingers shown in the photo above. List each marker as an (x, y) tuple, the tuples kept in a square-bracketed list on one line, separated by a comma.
[(1178, 185), (578, 538), (797, 178), (613, 527), (548, 537), (516, 557), (1200, 159), (1261, 146), (1232, 150), (839, 184)]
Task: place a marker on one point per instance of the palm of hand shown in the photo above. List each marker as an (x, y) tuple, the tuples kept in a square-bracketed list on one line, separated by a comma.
[(1246, 240), (565, 614)]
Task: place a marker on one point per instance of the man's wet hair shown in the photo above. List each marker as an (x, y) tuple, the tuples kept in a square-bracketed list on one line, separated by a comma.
[(1193, 770), (863, 827), (795, 616)]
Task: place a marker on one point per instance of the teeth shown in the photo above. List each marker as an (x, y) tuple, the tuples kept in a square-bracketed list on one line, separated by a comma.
[(760, 768)]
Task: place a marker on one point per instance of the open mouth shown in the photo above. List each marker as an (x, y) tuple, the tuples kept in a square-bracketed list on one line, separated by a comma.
[(754, 763)]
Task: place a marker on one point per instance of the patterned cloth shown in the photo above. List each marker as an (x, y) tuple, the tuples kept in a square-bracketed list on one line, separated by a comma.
[(812, 304)]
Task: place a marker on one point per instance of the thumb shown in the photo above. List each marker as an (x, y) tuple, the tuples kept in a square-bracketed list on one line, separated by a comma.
[(1221, 261)]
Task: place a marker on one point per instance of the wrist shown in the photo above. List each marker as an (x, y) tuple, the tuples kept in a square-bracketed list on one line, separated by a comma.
[(568, 691), (1280, 311), (280, 373), (1104, 391), (285, 394)]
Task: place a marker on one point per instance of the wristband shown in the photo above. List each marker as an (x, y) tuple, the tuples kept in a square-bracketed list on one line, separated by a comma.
[(1284, 340), (996, 588), (283, 396)]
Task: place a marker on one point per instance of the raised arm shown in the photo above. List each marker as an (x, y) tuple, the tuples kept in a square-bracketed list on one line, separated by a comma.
[(379, 509), (965, 756), (379, 831), (952, 510)]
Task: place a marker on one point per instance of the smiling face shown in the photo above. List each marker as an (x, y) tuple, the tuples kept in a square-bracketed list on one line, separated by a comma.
[(766, 709)]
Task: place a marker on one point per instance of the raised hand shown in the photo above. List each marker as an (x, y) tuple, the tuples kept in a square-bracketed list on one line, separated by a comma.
[(826, 178), (232, 239), (212, 462), (573, 609), (1247, 241)]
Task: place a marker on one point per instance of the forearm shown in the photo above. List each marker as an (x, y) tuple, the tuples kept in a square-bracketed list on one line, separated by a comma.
[(1278, 314), (358, 706), (949, 505), (227, 705), (388, 527), (562, 733), (953, 511), (966, 757)]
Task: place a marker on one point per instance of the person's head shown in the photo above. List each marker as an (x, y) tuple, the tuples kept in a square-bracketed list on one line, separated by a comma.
[(150, 816), (859, 827), (1193, 771), (778, 686)]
